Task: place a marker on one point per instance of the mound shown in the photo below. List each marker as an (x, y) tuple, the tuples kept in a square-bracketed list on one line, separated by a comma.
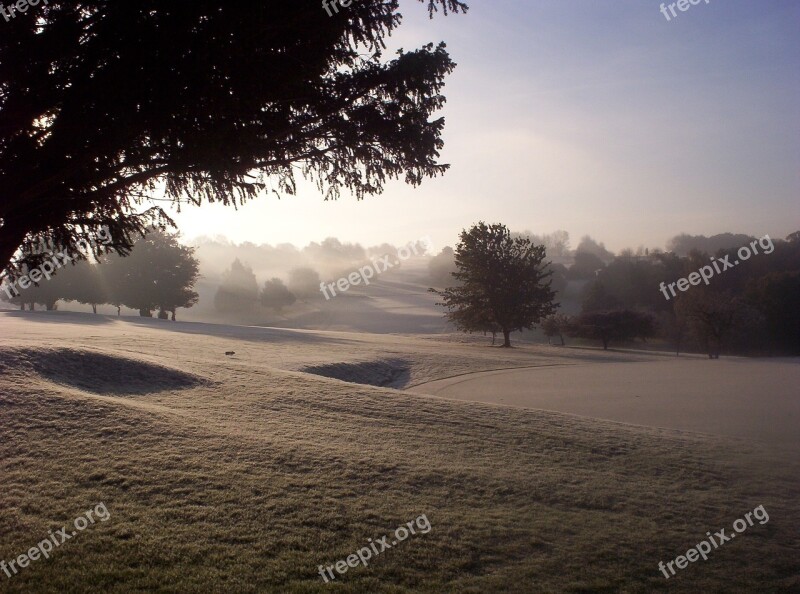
[(95, 372), (384, 373)]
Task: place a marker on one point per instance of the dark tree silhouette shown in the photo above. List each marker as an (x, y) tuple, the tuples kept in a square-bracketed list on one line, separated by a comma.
[(176, 276), (616, 325), (596, 298), (475, 317), (101, 101), (159, 274), (712, 317), (590, 246), (504, 282), (115, 277), (777, 297), (586, 266)]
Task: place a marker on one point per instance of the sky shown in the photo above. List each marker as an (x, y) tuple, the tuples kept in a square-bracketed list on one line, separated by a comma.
[(598, 117)]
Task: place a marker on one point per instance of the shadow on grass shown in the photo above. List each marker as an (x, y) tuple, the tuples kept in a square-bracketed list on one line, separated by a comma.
[(257, 334), (59, 317), (386, 373), (96, 373)]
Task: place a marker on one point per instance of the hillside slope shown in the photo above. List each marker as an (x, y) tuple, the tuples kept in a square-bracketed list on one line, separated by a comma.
[(244, 475)]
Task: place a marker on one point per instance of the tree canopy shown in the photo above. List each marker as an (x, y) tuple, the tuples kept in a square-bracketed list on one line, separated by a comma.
[(276, 295), (159, 273), (238, 289), (103, 103), (613, 325), (503, 282)]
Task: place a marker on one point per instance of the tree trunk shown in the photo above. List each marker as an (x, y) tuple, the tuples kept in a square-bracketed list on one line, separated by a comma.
[(94, 308), (561, 336), (119, 310), (173, 314), (605, 344), (506, 339)]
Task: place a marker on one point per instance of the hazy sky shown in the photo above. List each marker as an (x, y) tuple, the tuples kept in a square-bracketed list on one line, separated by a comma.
[(598, 117)]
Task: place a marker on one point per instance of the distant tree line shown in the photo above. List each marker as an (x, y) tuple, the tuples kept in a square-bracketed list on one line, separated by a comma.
[(751, 308), (239, 290), (158, 275)]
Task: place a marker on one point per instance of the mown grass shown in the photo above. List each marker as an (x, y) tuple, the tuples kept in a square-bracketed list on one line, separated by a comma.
[(250, 478)]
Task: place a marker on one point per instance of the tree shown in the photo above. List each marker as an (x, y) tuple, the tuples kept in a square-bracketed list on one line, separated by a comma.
[(238, 290), (632, 283), (304, 282), (158, 274), (683, 244), (276, 295), (47, 292), (85, 284), (711, 316), (175, 278), (114, 272), (503, 282), (596, 298), (442, 267), (556, 244), (475, 318), (559, 278), (103, 102), (673, 328), (615, 325), (590, 246), (777, 296), (586, 266), (556, 325)]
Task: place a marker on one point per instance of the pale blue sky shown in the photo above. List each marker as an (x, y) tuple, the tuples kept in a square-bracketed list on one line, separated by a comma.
[(598, 117)]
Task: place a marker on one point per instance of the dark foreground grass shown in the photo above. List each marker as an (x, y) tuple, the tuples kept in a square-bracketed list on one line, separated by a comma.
[(248, 479)]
